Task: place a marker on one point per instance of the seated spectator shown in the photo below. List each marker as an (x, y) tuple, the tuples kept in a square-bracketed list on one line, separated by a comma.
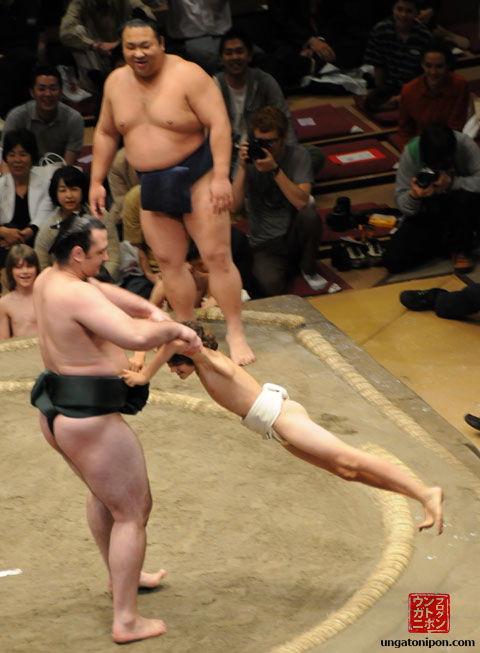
[(68, 191), (57, 127), (90, 30), (246, 90), (194, 30), (17, 316), (438, 95), (437, 189), (285, 229), (303, 36), (121, 178), (394, 48), (24, 200)]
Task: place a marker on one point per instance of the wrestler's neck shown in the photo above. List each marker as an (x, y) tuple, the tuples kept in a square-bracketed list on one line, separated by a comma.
[(71, 271)]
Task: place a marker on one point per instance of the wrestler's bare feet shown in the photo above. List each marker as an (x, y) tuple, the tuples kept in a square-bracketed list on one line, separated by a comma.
[(139, 628), (433, 509), (240, 352), (147, 581)]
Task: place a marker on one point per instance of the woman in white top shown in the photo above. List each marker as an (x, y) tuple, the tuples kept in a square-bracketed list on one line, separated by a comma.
[(24, 198)]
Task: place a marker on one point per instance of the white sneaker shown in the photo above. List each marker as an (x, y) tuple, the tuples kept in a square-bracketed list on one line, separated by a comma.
[(315, 281)]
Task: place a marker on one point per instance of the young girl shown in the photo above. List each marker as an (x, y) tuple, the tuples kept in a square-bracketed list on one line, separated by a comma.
[(17, 317), (270, 412)]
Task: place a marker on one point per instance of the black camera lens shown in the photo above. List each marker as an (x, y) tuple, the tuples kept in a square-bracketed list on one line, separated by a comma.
[(255, 150), (426, 177)]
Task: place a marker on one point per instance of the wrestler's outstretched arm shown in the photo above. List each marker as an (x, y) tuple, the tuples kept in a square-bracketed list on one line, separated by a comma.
[(132, 304), (161, 357)]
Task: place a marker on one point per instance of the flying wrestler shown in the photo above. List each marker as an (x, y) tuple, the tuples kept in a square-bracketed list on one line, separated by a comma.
[(176, 132), (270, 412), (84, 327)]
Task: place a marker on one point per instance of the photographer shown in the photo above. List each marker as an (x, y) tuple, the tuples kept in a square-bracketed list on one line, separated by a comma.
[(437, 189), (274, 180)]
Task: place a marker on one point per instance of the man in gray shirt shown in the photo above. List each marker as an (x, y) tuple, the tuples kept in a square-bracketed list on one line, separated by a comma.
[(57, 127), (274, 183), (437, 189)]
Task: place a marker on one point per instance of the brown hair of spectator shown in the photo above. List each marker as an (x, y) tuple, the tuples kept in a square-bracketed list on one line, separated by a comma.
[(269, 119)]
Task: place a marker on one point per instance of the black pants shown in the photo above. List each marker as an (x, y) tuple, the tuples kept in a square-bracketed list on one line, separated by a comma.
[(446, 225), (459, 303), (276, 261)]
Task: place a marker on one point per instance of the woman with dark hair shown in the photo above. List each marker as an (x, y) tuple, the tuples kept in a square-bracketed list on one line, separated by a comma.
[(24, 200), (68, 191)]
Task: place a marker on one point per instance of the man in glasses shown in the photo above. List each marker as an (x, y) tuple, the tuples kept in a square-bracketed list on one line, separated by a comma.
[(274, 181)]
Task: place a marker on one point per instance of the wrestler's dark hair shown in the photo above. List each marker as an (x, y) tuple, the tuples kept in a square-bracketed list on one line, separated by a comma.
[(236, 34), (437, 145), (440, 46), (71, 177), (139, 18), (74, 230), (46, 70), (23, 137), (208, 340), (268, 119), (16, 254)]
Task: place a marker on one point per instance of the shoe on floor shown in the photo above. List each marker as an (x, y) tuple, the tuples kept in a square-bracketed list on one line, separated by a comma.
[(463, 262), (473, 421), (315, 281), (420, 300)]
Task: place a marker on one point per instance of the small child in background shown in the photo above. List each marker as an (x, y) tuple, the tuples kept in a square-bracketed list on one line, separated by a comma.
[(17, 317)]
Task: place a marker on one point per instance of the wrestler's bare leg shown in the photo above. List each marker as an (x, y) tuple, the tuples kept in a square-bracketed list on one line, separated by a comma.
[(211, 233), (108, 456), (314, 444), (168, 241)]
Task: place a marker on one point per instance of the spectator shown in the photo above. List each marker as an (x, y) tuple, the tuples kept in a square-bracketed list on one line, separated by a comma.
[(438, 95), (57, 127), (17, 316), (194, 30), (452, 305), (90, 29), (440, 213), (285, 229), (394, 48), (246, 90), (68, 191), (24, 200)]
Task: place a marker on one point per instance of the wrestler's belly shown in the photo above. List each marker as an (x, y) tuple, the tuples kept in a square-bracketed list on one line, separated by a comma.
[(110, 360), (154, 148)]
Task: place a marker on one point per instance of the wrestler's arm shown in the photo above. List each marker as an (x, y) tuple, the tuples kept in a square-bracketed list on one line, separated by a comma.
[(91, 308), (105, 143), (207, 103), (160, 358), (132, 304)]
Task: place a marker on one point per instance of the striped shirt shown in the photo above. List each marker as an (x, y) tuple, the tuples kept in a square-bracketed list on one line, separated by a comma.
[(399, 58)]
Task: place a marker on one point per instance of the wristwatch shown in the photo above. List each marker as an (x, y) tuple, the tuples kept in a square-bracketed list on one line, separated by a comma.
[(275, 171)]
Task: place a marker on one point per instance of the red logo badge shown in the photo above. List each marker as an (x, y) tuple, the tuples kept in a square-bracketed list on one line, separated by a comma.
[(428, 613)]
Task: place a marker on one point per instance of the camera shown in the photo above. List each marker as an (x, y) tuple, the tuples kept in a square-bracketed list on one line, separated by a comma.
[(255, 150), (426, 177), (341, 218)]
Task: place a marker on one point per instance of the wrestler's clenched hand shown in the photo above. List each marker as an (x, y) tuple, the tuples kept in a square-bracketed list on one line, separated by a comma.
[(96, 199), (188, 341), (221, 195)]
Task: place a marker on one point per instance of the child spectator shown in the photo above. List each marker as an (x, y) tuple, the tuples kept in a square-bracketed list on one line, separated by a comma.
[(17, 317)]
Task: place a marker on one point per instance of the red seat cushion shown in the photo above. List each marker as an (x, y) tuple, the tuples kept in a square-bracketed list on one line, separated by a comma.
[(325, 121), (382, 117), (380, 159)]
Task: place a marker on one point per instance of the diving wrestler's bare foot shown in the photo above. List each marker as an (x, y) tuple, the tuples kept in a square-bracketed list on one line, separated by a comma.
[(139, 628), (433, 509), (147, 581), (240, 352)]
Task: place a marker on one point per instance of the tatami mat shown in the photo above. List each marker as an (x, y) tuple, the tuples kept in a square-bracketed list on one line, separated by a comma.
[(434, 357)]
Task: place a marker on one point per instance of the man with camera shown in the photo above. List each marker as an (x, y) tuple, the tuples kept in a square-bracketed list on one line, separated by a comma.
[(274, 180), (437, 189)]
